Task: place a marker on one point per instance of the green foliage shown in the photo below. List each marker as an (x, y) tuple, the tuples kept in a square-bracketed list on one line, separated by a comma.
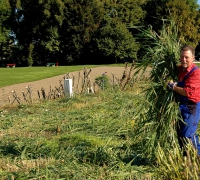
[(127, 12), (30, 55), (187, 10), (174, 166), (162, 50), (184, 13), (75, 31), (115, 41), (154, 13), (102, 81), (81, 21), (5, 11), (63, 30)]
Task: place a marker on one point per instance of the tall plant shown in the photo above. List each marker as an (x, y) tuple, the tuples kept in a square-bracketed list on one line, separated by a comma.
[(160, 111), (30, 55)]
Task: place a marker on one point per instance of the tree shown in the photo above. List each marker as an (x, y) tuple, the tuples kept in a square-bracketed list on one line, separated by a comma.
[(115, 41), (30, 55), (188, 26), (5, 11), (183, 12), (82, 19), (128, 12), (24, 21), (198, 46), (154, 13), (61, 30)]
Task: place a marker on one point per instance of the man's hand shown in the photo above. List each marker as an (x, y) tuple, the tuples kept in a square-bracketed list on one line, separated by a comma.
[(171, 84)]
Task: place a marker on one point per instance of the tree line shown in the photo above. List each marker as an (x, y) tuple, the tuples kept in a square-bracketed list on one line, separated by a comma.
[(34, 32)]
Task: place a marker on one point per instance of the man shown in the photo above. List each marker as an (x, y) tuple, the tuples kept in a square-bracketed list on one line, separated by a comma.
[(188, 89)]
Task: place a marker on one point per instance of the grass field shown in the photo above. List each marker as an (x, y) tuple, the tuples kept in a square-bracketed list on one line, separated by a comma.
[(10, 76), (90, 136), (17, 75)]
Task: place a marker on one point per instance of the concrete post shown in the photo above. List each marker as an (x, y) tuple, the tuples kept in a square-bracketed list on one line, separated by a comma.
[(68, 87)]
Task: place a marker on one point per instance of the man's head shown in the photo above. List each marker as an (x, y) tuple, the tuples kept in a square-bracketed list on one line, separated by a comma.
[(187, 56)]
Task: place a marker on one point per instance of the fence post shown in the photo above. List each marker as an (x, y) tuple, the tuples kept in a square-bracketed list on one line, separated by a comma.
[(68, 87)]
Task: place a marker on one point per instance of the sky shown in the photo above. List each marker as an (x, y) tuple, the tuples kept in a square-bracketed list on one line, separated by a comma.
[(198, 1)]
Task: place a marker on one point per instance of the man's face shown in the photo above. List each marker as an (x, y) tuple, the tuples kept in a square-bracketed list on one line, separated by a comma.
[(186, 58)]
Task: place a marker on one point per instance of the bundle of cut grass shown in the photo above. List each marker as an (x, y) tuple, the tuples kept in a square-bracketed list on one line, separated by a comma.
[(160, 110)]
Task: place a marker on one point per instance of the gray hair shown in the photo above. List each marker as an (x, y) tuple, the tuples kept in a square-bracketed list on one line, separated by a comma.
[(188, 48)]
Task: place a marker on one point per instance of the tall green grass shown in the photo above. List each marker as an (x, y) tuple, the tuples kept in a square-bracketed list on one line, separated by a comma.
[(175, 166), (161, 110)]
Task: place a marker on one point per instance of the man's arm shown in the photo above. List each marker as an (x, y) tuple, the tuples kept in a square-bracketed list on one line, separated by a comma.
[(180, 90)]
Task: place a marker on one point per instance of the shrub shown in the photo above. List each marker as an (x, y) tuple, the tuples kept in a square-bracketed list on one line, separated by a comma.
[(102, 81)]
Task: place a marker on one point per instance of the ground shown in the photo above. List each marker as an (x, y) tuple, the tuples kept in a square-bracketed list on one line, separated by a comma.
[(9, 94)]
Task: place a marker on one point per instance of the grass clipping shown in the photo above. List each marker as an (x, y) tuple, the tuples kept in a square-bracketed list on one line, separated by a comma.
[(160, 110)]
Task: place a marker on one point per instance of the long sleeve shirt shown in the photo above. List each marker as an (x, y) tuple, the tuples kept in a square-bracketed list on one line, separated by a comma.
[(192, 82)]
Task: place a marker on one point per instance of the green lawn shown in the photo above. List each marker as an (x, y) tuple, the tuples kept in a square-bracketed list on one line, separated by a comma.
[(10, 76)]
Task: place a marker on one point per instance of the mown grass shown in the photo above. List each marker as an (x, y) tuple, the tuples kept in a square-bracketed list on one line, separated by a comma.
[(90, 136), (10, 76), (85, 137), (17, 75)]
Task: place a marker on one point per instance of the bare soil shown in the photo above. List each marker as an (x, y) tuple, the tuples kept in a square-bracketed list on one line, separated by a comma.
[(7, 97)]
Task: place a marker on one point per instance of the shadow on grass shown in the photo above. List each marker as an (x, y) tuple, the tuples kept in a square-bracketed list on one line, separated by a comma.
[(9, 150)]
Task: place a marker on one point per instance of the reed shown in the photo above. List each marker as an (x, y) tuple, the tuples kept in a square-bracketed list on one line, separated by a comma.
[(159, 110)]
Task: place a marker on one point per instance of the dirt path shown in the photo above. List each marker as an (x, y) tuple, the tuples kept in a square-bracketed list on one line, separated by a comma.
[(5, 92)]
